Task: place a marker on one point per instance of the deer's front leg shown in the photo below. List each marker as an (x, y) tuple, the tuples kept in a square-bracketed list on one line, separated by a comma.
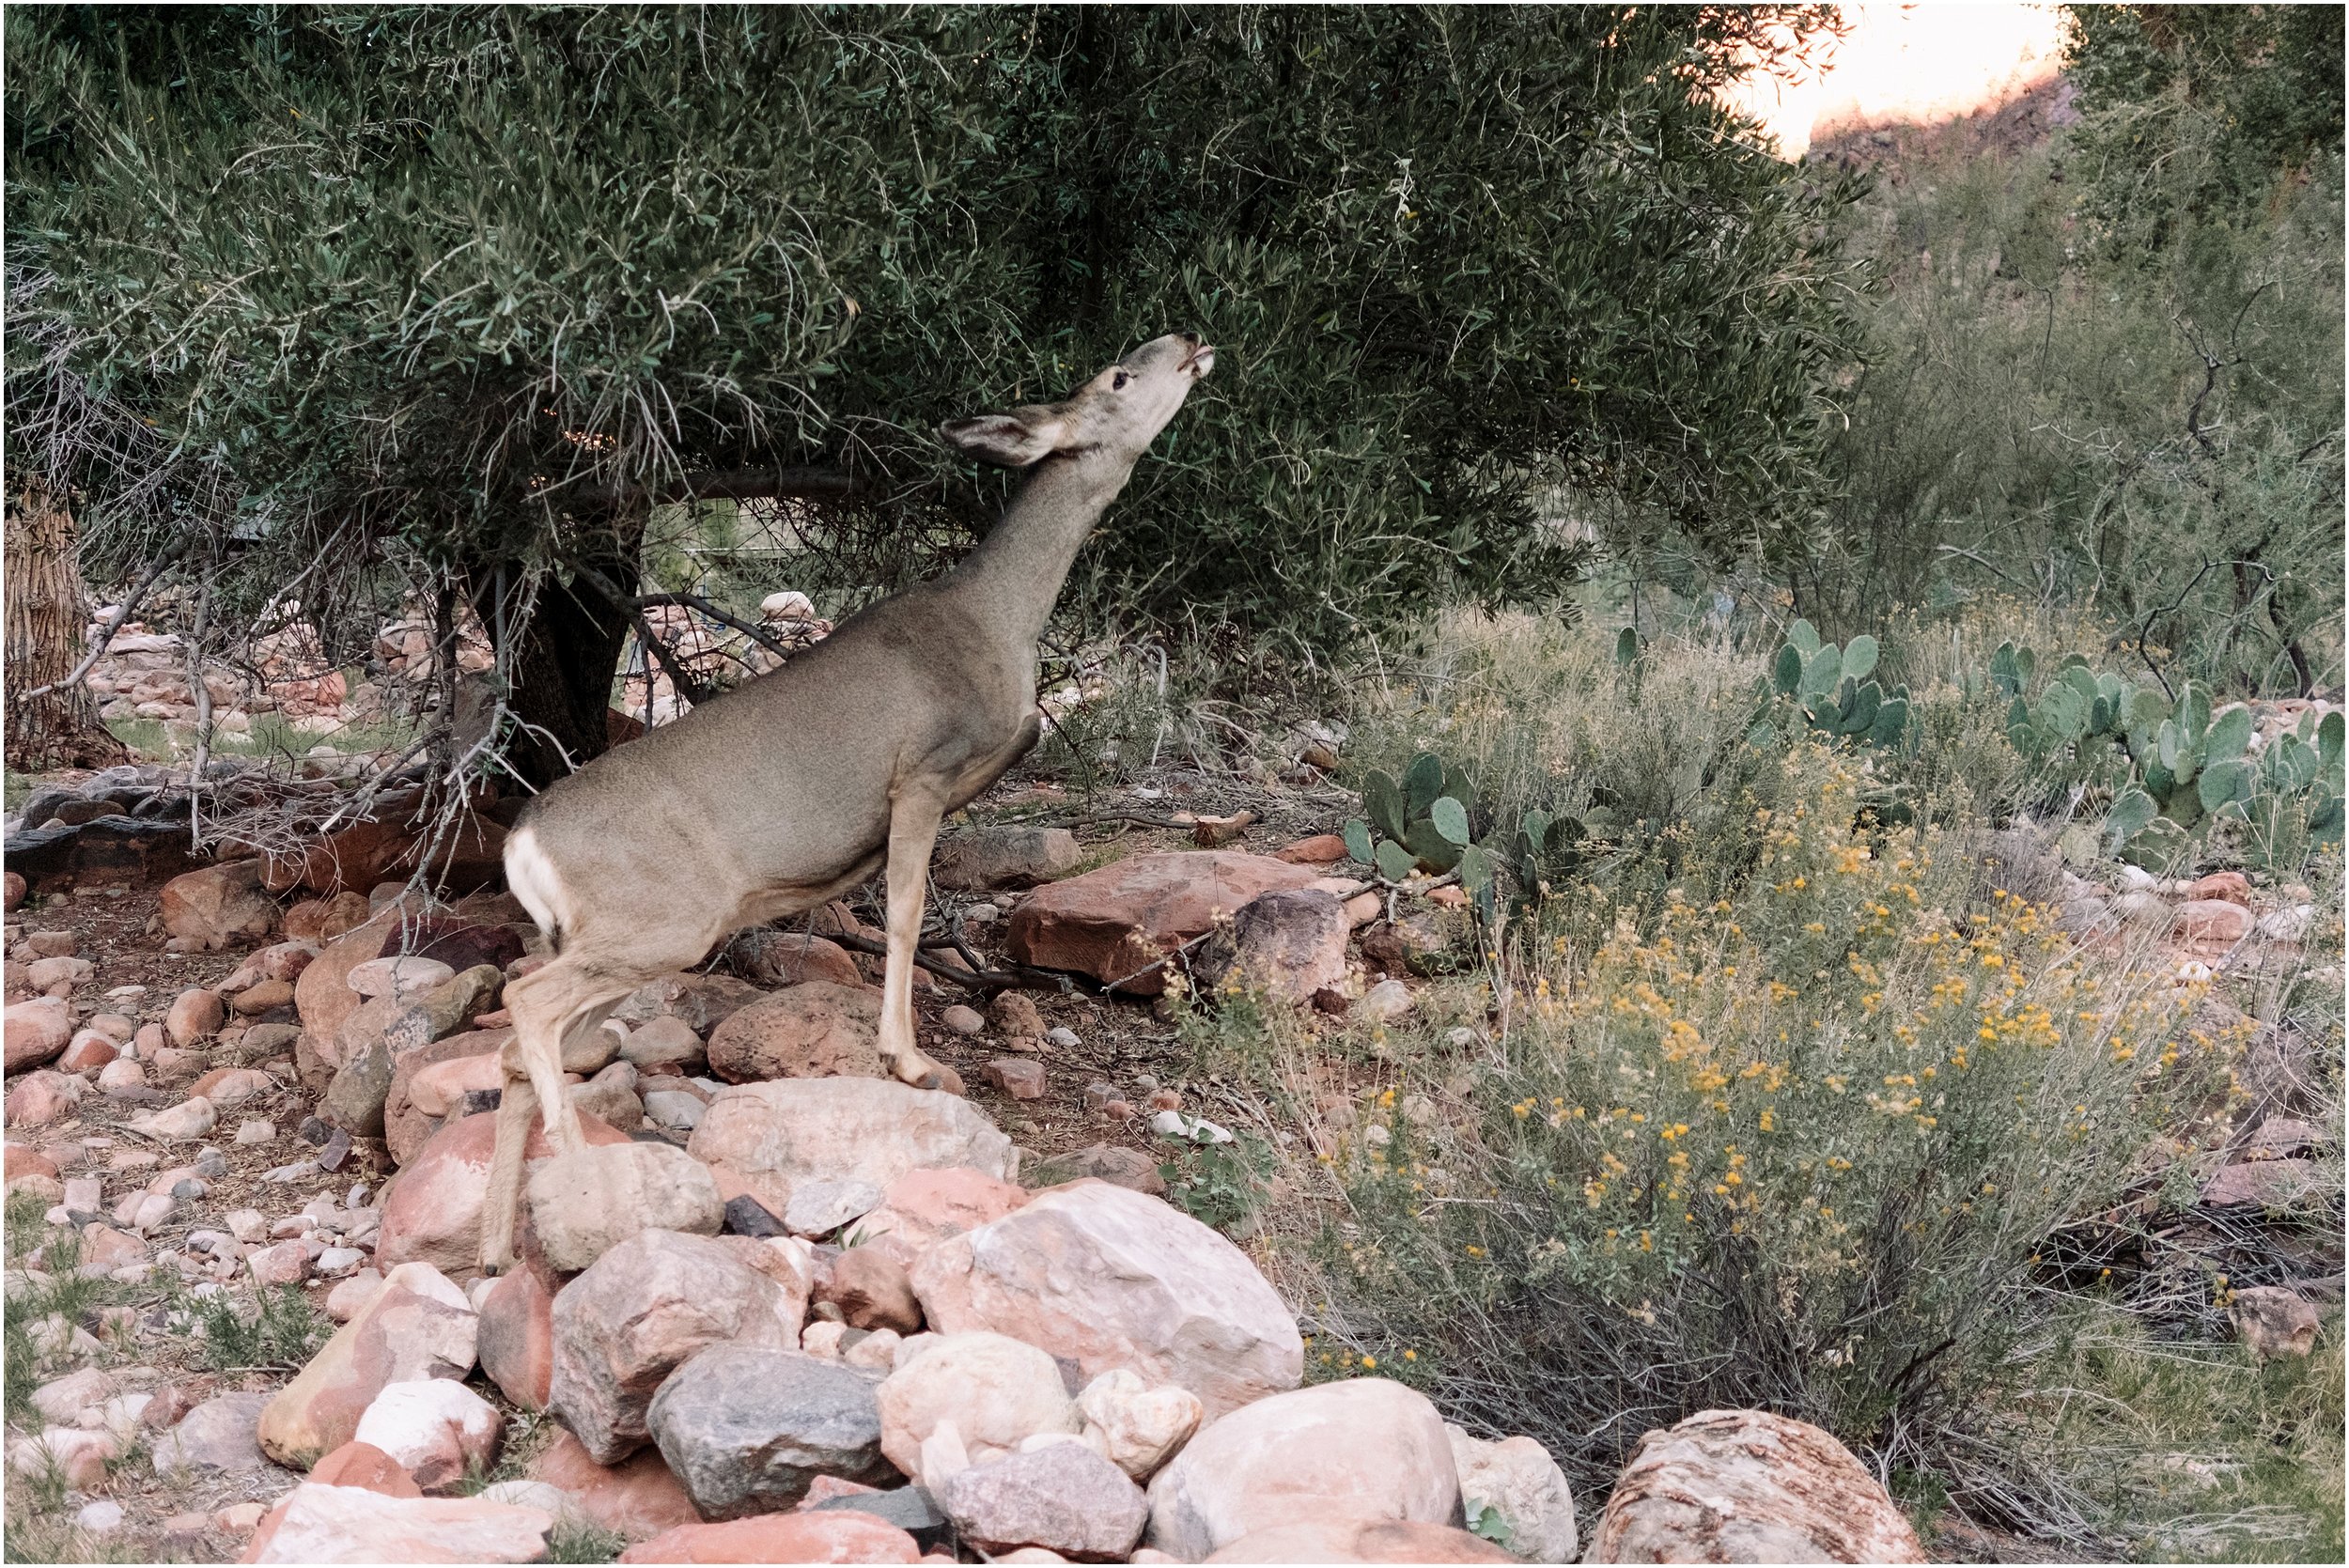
[(913, 829)]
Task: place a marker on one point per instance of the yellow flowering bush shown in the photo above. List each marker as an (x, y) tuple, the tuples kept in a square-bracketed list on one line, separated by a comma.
[(1792, 1145)]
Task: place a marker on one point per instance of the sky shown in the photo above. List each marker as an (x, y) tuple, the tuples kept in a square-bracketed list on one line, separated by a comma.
[(1913, 64)]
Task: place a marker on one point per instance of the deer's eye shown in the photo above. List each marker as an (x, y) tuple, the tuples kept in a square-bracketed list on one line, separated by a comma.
[(1117, 383)]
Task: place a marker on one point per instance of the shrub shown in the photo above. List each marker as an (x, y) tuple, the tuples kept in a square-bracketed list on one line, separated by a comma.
[(1797, 1143)]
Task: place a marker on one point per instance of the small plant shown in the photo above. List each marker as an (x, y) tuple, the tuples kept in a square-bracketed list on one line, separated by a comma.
[(1486, 1522), (279, 1330), (1219, 1185), (1831, 687), (1426, 824)]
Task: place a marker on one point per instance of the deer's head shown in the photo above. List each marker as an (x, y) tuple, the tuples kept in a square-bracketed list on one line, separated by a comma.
[(1115, 415)]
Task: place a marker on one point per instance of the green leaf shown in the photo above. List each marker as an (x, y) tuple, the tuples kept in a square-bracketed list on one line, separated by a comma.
[(1394, 861), (1450, 819), (1822, 670), (1859, 717), (1476, 869), (1627, 645), (2132, 812), (2229, 736), (1803, 636), (2062, 712), (2329, 738), (1860, 657), (1383, 803), (2224, 783), (1892, 722), (1435, 851), (1786, 673), (1421, 786), (1357, 843)]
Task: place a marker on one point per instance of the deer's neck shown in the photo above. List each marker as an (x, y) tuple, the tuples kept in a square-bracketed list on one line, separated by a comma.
[(1018, 570)]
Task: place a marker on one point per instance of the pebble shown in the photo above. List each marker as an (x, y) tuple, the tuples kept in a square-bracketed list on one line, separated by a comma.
[(256, 1132), (962, 1020), (1196, 1129), (1062, 1036), (102, 1517)]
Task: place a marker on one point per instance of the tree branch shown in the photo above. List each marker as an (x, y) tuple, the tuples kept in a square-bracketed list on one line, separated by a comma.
[(723, 484)]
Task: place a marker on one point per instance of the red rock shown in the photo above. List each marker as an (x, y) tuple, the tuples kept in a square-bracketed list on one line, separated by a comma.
[(925, 1206), (323, 996), (826, 1487), (832, 1535), (2267, 1183), (89, 1051), (2230, 887), (349, 860), (219, 904), (769, 958), (814, 1029), (357, 1464), (432, 1213), (518, 1337), (194, 1016), (419, 1324), (1320, 849), (15, 885), (1020, 1076), (638, 1498), (1114, 921), (22, 1159), (406, 1125), (36, 1031), (2212, 922)]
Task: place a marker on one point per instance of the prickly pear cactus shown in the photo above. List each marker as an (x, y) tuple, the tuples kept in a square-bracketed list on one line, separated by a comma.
[(1832, 690)]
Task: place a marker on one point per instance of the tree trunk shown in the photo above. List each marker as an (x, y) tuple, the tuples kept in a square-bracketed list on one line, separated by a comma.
[(47, 613), (565, 656)]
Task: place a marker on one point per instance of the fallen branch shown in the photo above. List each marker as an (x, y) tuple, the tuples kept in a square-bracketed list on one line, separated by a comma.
[(984, 982), (763, 638)]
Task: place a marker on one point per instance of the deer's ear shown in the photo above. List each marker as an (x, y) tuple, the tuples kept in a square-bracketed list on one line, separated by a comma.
[(1014, 440)]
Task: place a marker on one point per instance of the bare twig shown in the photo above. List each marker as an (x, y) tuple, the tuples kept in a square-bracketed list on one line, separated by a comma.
[(114, 623)]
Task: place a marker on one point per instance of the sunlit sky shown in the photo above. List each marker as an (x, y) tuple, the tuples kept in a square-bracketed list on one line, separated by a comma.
[(1914, 64)]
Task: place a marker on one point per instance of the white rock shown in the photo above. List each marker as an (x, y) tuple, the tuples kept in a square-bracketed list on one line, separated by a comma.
[(102, 1517), (1194, 1130), (192, 1118), (994, 1390), (817, 1208), (1747, 1486), (674, 1107), (1362, 1449), (255, 1132), (1517, 1480), (403, 975), (942, 1456), (435, 1428), (767, 1137), (1384, 1002), (1139, 1428), (1109, 1278)]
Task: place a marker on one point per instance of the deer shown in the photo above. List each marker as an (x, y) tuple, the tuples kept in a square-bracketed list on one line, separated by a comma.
[(797, 786)]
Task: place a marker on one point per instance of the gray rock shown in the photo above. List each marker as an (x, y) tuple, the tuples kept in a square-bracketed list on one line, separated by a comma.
[(912, 1509), (746, 1215), (353, 1102), (1062, 1496), (819, 1207), (747, 1430), (984, 859), (672, 1108), (587, 1201), (219, 1435)]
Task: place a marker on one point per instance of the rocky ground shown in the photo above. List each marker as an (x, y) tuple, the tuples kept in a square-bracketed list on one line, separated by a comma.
[(785, 1309)]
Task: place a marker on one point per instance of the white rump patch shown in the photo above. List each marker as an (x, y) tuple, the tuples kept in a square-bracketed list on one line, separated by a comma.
[(531, 877)]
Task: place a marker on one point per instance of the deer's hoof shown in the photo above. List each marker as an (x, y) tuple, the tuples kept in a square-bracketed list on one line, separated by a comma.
[(940, 1077)]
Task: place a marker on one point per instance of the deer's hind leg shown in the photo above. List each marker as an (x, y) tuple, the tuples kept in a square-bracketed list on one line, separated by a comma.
[(574, 993)]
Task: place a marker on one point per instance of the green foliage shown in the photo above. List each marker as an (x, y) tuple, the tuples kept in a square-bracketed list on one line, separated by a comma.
[(1424, 826), (275, 1329), (1219, 1185), (454, 279), (2174, 773), (2107, 371), (1831, 689)]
